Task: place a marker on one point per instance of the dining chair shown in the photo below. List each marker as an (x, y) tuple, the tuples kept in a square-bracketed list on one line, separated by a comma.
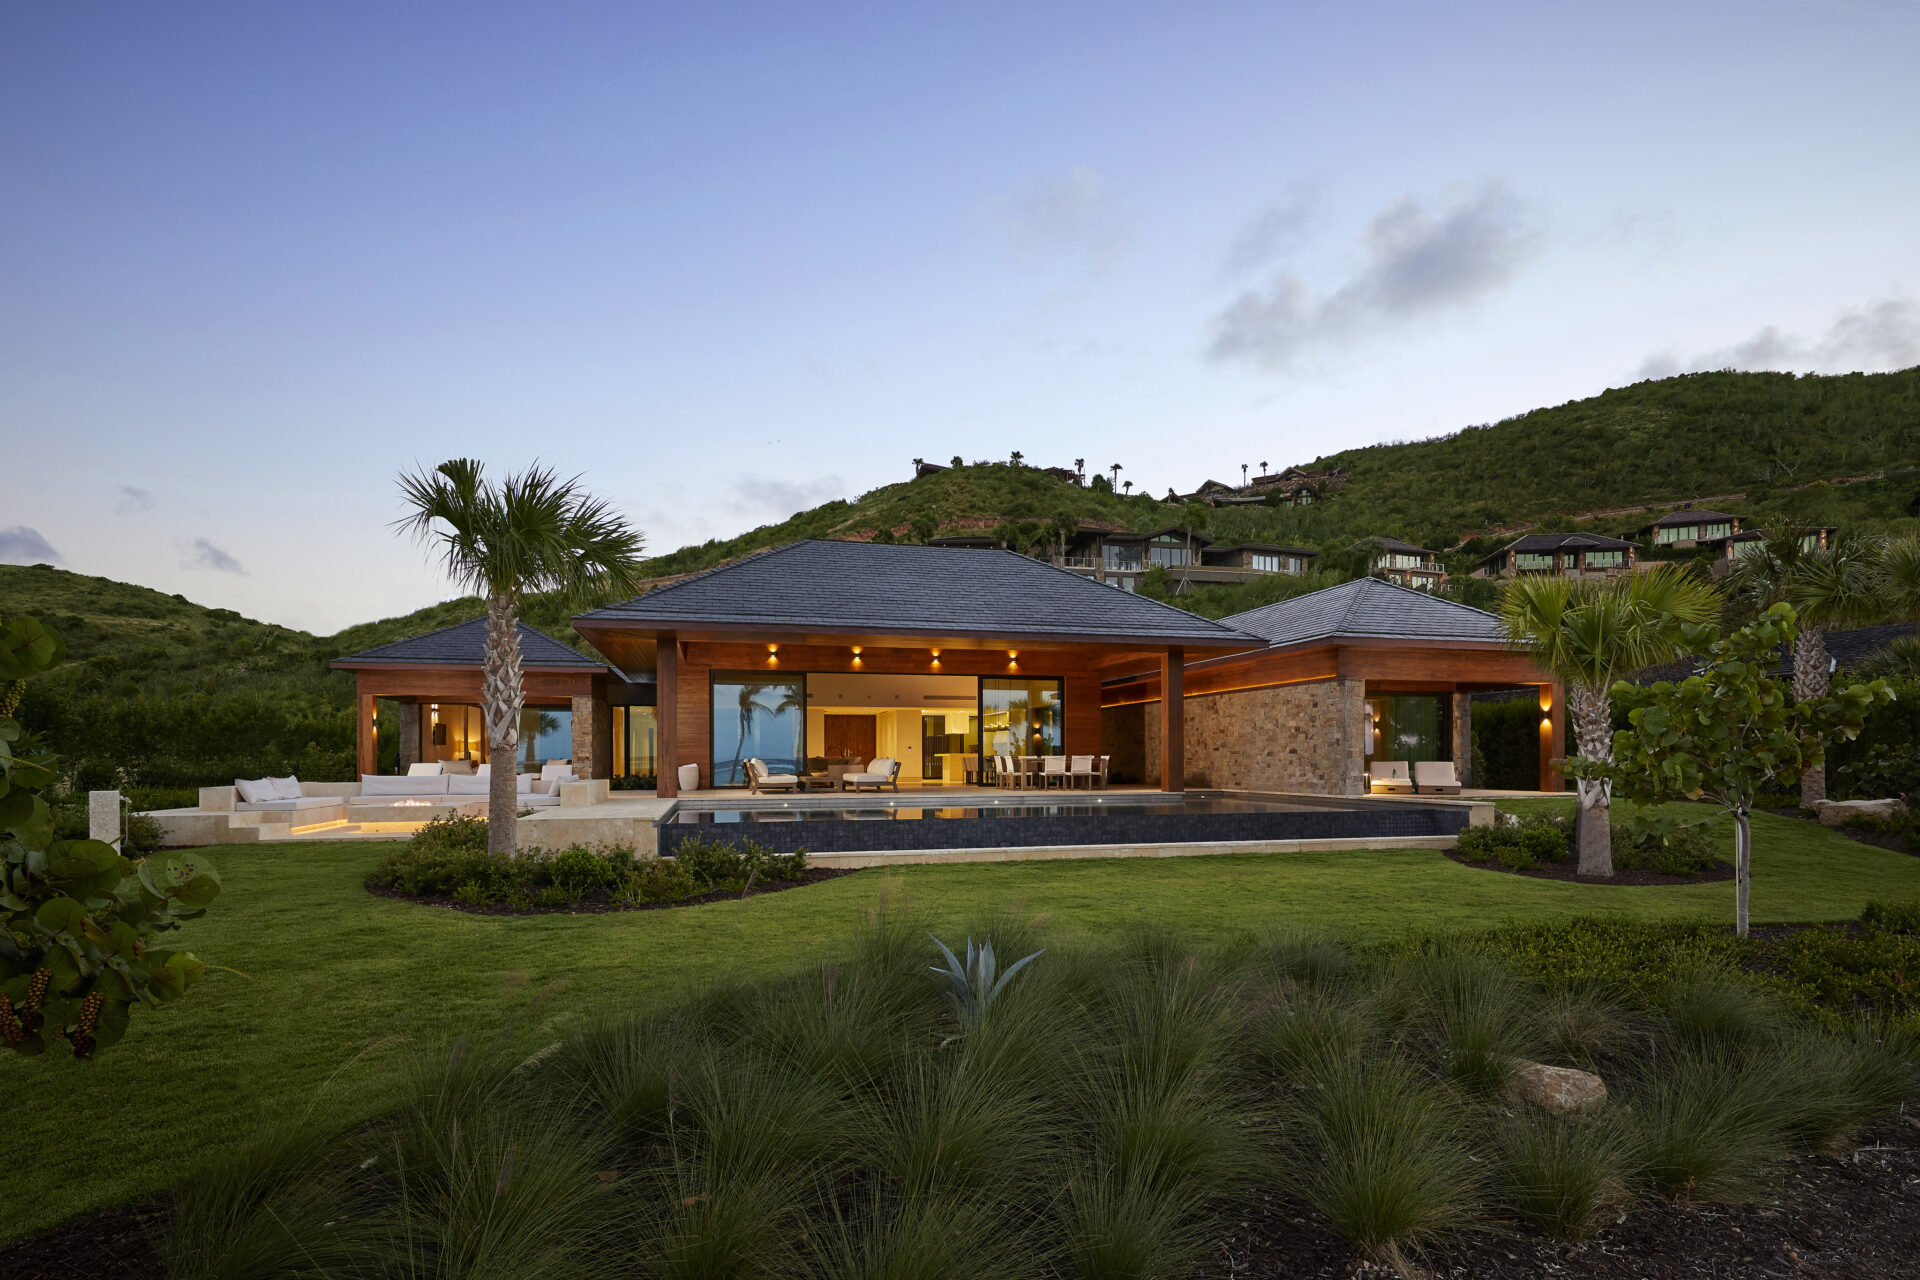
[(1055, 771), (1081, 769)]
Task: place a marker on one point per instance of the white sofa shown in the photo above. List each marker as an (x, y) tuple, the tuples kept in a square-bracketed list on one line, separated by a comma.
[(276, 795)]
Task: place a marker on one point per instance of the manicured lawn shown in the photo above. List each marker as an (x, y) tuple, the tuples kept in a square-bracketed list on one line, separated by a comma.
[(336, 980)]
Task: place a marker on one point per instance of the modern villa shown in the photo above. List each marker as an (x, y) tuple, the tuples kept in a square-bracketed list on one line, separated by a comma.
[(942, 657)]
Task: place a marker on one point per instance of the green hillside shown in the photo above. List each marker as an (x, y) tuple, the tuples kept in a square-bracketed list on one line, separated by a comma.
[(1773, 439), (161, 692)]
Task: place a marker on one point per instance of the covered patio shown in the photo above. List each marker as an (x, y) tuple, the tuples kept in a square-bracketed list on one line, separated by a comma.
[(972, 650)]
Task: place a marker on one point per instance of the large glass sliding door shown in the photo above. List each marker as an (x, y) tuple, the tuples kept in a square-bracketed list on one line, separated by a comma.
[(755, 715), (1410, 727), (1022, 717)]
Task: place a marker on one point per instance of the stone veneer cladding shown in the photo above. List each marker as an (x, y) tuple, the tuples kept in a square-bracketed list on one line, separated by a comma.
[(1295, 737)]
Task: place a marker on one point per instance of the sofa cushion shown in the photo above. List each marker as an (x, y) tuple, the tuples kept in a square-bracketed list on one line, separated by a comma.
[(256, 790), (287, 788), (463, 786), (288, 806), (380, 785)]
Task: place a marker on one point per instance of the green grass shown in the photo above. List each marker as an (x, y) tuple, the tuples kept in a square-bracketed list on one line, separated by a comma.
[(336, 982)]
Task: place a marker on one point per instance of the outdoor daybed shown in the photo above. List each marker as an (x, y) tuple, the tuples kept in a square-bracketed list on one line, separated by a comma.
[(883, 772)]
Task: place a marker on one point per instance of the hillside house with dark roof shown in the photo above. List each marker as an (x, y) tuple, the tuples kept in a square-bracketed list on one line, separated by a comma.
[(1364, 671), (1403, 563), (1688, 528), (1120, 558), (1566, 555)]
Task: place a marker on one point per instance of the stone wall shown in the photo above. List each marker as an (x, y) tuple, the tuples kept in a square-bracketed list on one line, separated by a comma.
[(1296, 737), (592, 737)]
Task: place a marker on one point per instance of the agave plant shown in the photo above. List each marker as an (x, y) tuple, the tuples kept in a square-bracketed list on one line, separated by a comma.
[(972, 987)]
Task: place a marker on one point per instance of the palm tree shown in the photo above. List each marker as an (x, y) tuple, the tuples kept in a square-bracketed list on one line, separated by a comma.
[(1899, 575), (1832, 587), (1193, 518), (531, 532), (1263, 468), (1591, 634), (1015, 457), (1243, 475), (1128, 486), (1116, 468), (750, 706)]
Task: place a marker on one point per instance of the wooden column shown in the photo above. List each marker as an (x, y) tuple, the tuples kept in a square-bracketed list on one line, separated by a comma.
[(1173, 721), (666, 712), (1553, 732), (1463, 739), (366, 756)]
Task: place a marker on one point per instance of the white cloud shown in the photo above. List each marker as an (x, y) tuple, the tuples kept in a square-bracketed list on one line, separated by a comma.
[(24, 545), (775, 500), (202, 554), (1876, 338), (1069, 214), (1274, 230), (1420, 264), (132, 500)]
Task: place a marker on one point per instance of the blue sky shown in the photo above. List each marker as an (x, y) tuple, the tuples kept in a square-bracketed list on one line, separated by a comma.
[(731, 261)]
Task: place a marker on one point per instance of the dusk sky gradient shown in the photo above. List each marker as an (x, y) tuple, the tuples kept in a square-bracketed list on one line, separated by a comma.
[(732, 261)]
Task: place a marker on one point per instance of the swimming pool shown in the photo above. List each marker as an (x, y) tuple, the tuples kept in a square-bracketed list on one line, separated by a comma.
[(910, 823)]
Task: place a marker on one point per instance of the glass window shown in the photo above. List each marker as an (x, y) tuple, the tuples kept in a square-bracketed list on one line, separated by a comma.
[(453, 732), (1406, 727), (1165, 551), (1122, 555), (636, 734), (757, 716), (1606, 559), (546, 733), (1266, 563), (1532, 561), (1022, 717)]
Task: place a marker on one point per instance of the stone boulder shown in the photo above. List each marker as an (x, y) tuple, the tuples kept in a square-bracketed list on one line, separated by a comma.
[(1834, 813), (1560, 1089)]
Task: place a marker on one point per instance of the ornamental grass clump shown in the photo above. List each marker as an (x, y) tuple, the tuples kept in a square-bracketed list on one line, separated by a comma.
[(1110, 1112), (1564, 1175)]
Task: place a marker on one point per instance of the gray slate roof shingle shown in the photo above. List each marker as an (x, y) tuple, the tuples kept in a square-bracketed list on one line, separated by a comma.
[(1367, 609), (465, 645), (894, 587), (1557, 541)]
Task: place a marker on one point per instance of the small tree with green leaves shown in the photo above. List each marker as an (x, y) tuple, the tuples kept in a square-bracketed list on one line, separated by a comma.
[(78, 922), (1727, 733)]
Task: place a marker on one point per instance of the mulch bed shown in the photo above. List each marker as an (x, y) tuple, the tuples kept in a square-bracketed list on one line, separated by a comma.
[(1569, 871), (115, 1245), (1853, 1215), (599, 902)]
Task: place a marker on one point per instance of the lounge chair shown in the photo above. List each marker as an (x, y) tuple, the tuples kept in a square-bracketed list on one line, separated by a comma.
[(1435, 778), (759, 779), (883, 772), (1390, 777)]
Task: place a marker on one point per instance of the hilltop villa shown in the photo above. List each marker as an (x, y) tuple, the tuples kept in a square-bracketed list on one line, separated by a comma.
[(938, 657)]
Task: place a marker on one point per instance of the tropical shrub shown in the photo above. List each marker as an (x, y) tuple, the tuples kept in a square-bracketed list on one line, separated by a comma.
[(449, 858), (79, 922), (1522, 846), (1659, 838)]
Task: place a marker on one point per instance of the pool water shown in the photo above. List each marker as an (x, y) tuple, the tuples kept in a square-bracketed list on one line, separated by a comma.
[(1149, 818)]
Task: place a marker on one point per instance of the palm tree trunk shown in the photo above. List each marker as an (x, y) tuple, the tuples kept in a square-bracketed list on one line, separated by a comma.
[(1810, 681), (1593, 738), (501, 697)]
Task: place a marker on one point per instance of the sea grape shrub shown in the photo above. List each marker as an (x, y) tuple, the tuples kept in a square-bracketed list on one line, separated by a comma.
[(576, 872), (1904, 828), (1658, 839), (79, 922), (1522, 846)]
